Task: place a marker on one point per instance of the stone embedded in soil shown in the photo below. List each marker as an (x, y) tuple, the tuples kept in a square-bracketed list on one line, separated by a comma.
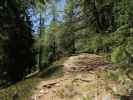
[(72, 86)]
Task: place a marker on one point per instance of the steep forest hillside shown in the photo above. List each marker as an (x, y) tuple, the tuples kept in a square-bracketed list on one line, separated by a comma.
[(86, 77), (55, 44)]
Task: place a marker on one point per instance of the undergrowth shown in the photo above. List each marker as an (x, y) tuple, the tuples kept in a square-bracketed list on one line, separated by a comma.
[(20, 91)]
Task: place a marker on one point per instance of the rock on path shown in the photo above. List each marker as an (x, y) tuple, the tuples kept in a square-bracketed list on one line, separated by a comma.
[(71, 86)]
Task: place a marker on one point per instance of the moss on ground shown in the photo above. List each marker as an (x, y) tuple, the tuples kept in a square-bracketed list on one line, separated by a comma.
[(22, 90)]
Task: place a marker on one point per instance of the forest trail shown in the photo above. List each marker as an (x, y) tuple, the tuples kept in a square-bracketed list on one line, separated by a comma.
[(81, 81)]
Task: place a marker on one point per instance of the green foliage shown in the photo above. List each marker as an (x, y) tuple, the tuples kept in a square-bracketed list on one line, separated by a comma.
[(52, 71), (92, 26), (129, 46), (122, 12), (70, 6), (23, 89), (118, 55), (17, 41), (123, 53)]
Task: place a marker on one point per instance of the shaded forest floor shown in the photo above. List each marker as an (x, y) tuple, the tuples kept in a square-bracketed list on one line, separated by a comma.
[(85, 77)]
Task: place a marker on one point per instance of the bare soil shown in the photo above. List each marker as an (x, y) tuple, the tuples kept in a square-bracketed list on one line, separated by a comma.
[(81, 81)]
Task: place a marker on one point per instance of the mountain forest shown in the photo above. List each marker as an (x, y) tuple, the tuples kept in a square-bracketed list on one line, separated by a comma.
[(66, 49)]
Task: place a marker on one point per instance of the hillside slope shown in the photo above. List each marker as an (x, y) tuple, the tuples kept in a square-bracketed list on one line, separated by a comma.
[(84, 79)]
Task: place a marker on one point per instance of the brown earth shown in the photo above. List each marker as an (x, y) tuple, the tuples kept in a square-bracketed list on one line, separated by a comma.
[(81, 81)]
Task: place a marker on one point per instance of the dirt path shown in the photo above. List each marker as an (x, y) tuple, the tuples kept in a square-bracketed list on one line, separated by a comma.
[(80, 81)]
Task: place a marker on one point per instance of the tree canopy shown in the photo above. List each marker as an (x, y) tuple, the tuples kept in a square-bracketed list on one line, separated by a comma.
[(92, 26)]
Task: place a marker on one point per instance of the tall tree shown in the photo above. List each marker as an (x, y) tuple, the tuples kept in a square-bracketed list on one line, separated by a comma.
[(18, 54), (99, 14), (67, 42)]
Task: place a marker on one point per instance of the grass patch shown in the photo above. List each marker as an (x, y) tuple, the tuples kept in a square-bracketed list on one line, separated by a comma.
[(52, 71), (55, 70), (61, 61), (23, 90)]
